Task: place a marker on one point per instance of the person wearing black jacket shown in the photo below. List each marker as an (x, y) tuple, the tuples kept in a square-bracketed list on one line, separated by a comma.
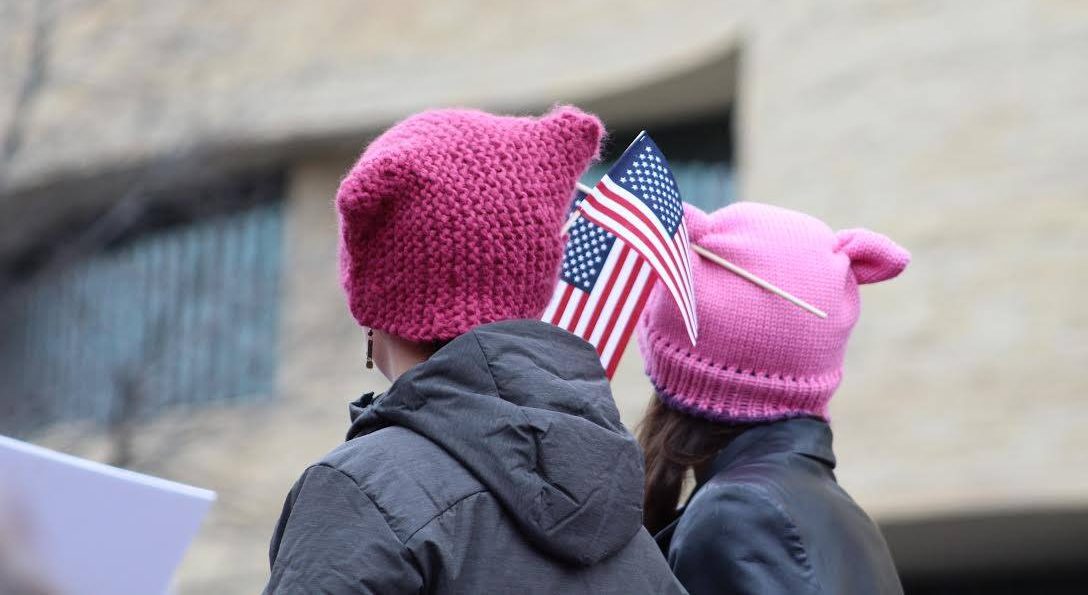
[(496, 462), (746, 409)]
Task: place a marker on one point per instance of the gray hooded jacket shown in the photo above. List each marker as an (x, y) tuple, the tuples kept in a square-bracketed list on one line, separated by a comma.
[(499, 465)]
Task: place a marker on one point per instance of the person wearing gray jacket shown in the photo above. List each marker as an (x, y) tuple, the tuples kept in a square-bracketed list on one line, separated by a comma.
[(496, 462), (499, 465)]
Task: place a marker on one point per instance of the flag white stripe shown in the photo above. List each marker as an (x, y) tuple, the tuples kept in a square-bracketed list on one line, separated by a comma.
[(610, 350), (610, 304), (598, 288), (649, 214), (686, 252)]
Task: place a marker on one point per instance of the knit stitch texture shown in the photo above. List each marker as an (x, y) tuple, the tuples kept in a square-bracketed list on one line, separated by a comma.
[(759, 357), (451, 218)]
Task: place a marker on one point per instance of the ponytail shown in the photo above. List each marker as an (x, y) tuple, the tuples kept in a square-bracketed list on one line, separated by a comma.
[(674, 442)]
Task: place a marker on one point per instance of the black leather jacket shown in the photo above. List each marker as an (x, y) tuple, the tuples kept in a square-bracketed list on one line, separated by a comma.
[(770, 518)]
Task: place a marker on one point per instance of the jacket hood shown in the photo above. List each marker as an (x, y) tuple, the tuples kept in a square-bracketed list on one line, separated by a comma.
[(526, 408)]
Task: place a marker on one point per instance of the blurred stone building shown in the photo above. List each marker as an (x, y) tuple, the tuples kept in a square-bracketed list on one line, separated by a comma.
[(168, 295)]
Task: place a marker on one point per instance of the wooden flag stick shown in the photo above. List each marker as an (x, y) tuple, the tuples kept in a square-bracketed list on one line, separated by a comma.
[(718, 260), (574, 216)]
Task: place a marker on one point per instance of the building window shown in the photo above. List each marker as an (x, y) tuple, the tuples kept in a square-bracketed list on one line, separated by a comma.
[(700, 153), (173, 315)]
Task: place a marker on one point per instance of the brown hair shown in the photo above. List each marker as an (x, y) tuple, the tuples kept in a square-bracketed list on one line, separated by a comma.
[(672, 443)]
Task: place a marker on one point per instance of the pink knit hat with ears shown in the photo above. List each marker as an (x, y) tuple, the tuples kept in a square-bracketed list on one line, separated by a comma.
[(759, 357), (451, 218)]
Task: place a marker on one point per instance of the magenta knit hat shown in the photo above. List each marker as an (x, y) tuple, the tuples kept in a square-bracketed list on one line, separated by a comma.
[(451, 218), (759, 357)]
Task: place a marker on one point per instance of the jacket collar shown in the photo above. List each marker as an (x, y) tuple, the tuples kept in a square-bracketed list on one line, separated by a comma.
[(801, 435), (358, 408)]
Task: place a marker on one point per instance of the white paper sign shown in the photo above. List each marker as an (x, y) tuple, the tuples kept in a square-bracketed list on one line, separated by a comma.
[(94, 529)]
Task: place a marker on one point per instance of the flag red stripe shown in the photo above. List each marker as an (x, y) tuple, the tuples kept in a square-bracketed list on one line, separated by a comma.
[(616, 269), (610, 369), (663, 240), (582, 299), (562, 307)]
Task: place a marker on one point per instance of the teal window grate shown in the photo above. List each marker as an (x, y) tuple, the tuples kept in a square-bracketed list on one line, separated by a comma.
[(180, 316)]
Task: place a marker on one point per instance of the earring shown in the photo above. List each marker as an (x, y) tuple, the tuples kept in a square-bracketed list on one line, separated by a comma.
[(369, 349)]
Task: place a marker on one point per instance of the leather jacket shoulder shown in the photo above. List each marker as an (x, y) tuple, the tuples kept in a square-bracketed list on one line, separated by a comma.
[(770, 518)]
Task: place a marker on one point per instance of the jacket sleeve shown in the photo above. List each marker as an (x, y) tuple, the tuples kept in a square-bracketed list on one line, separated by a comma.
[(736, 539), (331, 538)]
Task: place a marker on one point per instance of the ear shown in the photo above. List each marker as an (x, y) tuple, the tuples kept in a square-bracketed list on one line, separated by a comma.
[(873, 257), (572, 124), (371, 186)]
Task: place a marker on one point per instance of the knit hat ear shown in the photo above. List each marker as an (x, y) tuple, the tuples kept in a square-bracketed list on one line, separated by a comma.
[(873, 257), (571, 124), (367, 191)]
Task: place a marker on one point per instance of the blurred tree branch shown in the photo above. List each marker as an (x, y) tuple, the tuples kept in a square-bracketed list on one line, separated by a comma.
[(33, 79)]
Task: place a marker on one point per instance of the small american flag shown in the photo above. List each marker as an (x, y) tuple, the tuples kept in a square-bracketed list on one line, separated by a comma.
[(630, 233), (639, 203), (602, 288)]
